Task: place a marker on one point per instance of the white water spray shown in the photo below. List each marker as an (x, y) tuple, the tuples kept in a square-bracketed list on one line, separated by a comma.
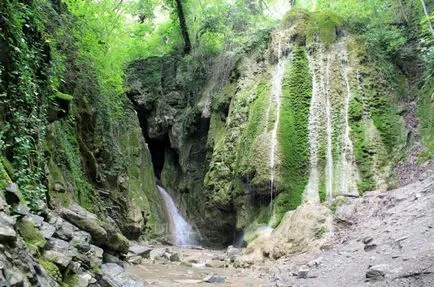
[(349, 176), (276, 90), (181, 233)]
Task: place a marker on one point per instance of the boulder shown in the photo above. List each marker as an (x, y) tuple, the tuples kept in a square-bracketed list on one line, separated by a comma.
[(213, 278), (140, 250), (375, 273), (47, 230), (64, 230), (215, 264), (157, 253), (21, 209), (60, 252), (7, 233), (81, 240), (35, 219), (102, 234)]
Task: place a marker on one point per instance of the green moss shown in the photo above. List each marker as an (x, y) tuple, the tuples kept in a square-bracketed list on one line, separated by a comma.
[(5, 180), (252, 156), (425, 111), (293, 133), (308, 25), (70, 280), (31, 235), (51, 268), (63, 96)]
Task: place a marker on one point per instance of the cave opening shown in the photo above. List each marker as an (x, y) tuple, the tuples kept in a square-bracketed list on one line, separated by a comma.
[(158, 148)]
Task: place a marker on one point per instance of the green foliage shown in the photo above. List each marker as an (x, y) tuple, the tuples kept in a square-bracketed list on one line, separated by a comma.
[(293, 132), (24, 95), (426, 114)]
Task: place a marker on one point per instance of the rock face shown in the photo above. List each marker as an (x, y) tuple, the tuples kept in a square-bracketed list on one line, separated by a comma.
[(210, 138), (303, 229)]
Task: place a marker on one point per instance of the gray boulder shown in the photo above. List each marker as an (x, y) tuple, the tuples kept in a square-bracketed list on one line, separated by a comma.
[(47, 230), (102, 234), (7, 233)]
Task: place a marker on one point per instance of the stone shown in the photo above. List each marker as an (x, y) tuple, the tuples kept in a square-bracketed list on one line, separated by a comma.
[(7, 233), (86, 221), (376, 273), (12, 194), (47, 230), (174, 257), (60, 252), (74, 267), (102, 233), (21, 209), (231, 251), (302, 273), (111, 269), (315, 262), (62, 259), (367, 240), (135, 259), (157, 253), (140, 250), (215, 264), (35, 219), (369, 247), (109, 258), (14, 277), (95, 255), (65, 231), (81, 240), (83, 279), (212, 278), (59, 187)]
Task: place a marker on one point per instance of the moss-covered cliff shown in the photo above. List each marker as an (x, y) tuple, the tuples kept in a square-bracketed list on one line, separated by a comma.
[(64, 138)]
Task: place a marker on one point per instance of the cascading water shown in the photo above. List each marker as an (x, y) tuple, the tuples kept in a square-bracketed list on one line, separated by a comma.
[(181, 233), (328, 117), (277, 78), (349, 174)]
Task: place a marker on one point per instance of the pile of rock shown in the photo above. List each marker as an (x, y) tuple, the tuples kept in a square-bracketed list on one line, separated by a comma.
[(65, 247)]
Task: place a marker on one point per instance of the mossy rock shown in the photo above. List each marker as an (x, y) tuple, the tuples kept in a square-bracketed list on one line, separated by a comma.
[(51, 269), (31, 235)]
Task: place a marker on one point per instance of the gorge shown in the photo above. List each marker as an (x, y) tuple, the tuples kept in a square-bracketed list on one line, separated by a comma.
[(140, 141)]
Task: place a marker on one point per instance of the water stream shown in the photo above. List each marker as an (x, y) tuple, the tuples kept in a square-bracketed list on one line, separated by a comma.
[(180, 232), (276, 90)]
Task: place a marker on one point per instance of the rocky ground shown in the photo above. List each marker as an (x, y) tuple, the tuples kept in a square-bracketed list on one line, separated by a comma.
[(380, 239)]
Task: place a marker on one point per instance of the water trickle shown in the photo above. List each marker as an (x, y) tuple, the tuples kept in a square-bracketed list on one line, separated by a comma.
[(329, 155), (276, 90), (348, 171), (181, 233)]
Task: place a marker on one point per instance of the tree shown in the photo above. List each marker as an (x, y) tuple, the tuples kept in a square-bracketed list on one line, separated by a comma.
[(183, 25)]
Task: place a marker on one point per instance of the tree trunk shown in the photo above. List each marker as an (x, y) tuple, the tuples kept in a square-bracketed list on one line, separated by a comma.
[(183, 25), (427, 17)]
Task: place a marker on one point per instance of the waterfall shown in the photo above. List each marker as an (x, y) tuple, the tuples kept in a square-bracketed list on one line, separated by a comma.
[(276, 90), (329, 155), (181, 233), (328, 115), (348, 171)]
